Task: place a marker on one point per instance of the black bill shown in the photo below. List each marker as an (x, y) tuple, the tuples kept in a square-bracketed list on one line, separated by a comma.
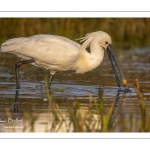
[(115, 66)]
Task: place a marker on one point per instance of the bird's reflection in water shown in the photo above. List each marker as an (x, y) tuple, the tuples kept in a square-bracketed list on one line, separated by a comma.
[(117, 105), (120, 94), (115, 108), (16, 101)]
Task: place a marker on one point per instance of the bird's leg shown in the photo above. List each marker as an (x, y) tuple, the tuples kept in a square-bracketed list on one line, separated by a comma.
[(116, 75), (50, 80), (17, 65)]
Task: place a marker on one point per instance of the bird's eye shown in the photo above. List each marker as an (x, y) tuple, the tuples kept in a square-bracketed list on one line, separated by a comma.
[(106, 42)]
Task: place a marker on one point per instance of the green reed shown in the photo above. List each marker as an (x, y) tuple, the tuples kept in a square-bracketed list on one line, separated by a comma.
[(92, 118), (127, 32), (84, 120)]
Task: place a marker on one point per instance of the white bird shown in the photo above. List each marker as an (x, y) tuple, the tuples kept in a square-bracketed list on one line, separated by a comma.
[(57, 53)]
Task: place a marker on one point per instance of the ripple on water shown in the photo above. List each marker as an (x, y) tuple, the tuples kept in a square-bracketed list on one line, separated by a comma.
[(68, 86)]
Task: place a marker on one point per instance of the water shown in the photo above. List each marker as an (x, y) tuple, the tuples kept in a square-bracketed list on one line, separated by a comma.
[(67, 87)]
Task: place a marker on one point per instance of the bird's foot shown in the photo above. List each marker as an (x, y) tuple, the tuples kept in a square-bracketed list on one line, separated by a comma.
[(125, 90)]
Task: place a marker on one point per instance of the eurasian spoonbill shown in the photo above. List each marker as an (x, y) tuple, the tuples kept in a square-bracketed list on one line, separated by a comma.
[(57, 53)]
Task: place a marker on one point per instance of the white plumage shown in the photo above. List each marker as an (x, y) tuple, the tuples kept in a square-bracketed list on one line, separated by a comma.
[(58, 53)]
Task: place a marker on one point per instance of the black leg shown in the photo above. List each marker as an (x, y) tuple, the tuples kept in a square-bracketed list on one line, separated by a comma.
[(50, 80), (17, 65)]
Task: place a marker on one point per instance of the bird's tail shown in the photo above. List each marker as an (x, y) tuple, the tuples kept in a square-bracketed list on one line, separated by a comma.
[(6, 46), (0, 49), (12, 44)]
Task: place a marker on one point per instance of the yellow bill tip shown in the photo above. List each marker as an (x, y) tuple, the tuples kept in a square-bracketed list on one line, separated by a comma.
[(124, 81)]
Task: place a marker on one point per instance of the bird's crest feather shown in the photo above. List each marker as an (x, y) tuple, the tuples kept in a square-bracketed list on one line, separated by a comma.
[(86, 39)]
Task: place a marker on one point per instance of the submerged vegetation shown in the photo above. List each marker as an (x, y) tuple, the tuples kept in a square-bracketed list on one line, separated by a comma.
[(126, 32)]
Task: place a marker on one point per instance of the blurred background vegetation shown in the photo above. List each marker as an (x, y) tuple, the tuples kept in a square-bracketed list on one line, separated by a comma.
[(125, 32)]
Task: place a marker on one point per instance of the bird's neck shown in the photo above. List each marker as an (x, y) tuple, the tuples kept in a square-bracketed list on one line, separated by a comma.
[(89, 61), (96, 51), (96, 55)]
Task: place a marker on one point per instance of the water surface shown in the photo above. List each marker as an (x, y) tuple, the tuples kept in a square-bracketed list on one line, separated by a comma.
[(68, 86)]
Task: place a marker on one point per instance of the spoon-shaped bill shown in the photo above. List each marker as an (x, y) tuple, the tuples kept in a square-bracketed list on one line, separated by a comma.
[(115, 65)]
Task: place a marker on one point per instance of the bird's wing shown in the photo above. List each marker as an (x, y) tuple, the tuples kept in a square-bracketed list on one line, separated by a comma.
[(13, 44), (45, 48)]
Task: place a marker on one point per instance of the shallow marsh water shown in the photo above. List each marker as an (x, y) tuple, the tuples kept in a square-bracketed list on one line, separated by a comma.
[(68, 86)]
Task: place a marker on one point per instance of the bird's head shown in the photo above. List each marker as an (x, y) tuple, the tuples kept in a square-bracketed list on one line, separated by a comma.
[(103, 40), (100, 37)]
